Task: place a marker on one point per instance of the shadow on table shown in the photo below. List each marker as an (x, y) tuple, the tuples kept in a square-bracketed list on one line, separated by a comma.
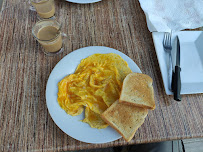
[(167, 146)]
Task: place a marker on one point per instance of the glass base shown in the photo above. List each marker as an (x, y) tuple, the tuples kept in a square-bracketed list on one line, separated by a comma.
[(51, 18), (54, 53)]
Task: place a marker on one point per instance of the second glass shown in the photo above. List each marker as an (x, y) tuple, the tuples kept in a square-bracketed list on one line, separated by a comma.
[(44, 8)]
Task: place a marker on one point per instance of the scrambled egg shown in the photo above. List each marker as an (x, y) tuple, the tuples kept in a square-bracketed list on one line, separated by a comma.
[(96, 84)]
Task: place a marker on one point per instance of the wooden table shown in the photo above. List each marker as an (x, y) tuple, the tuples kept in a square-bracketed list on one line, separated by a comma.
[(25, 123)]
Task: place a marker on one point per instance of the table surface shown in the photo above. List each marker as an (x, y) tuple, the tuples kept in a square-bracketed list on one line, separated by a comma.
[(24, 69)]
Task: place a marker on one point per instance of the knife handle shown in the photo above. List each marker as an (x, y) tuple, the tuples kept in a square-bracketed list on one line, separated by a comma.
[(177, 84)]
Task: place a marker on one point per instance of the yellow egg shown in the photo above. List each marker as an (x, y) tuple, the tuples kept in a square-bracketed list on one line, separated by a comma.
[(96, 84), (94, 119)]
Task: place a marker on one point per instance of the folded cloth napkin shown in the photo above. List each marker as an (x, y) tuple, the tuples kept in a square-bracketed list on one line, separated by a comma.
[(173, 15)]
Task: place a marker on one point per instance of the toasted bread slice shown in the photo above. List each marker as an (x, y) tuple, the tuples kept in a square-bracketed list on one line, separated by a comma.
[(137, 90), (124, 118)]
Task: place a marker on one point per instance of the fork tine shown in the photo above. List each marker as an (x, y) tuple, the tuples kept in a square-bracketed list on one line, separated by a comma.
[(169, 38), (164, 41)]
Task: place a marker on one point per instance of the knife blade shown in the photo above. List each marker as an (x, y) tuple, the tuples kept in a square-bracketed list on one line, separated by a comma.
[(176, 80)]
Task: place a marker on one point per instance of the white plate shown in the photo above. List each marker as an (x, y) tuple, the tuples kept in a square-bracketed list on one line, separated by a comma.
[(83, 1), (191, 60), (69, 124)]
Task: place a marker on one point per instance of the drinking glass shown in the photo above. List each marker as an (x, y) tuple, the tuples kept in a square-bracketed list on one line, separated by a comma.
[(44, 8), (48, 33)]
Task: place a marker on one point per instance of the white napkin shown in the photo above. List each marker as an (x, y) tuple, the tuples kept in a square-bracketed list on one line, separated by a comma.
[(175, 15)]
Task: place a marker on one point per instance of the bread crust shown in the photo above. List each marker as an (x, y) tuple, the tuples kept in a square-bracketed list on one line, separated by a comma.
[(138, 90), (138, 105), (124, 119), (126, 139)]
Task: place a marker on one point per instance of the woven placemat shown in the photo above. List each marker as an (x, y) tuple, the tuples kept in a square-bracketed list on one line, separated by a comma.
[(24, 70)]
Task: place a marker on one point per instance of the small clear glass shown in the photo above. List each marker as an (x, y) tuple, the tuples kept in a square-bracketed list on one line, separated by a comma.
[(44, 8), (48, 33)]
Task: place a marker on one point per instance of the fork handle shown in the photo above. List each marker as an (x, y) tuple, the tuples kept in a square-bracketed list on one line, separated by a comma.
[(170, 71)]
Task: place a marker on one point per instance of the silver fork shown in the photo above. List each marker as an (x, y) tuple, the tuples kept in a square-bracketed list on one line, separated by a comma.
[(168, 48)]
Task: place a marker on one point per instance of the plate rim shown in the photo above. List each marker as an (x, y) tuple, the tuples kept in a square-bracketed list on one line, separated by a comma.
[(110, 50), (85, 2)]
